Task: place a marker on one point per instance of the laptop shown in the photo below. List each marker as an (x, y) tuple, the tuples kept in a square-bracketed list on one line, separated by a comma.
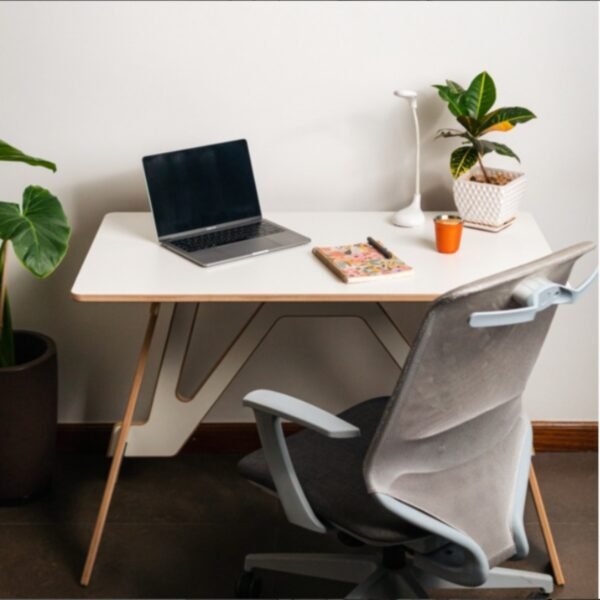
[(205, 205)]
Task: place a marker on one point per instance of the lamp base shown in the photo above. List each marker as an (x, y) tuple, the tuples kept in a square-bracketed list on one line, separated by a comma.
[(411, 216)]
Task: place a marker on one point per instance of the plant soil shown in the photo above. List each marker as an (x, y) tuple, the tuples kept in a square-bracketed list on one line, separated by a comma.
[(494, 179)]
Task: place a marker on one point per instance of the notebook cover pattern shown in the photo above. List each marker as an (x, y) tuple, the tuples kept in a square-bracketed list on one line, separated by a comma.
[(360, 262)]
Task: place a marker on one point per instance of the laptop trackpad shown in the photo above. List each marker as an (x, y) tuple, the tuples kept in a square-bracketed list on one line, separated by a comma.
[(258, 244), (237, 249), (248, 247)]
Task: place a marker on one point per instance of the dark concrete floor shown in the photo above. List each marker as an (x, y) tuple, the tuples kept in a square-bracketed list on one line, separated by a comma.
[(180, 528)]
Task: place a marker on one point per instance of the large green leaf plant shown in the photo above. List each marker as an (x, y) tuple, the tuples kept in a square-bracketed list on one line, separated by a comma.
[(39, 232), (472, 109)]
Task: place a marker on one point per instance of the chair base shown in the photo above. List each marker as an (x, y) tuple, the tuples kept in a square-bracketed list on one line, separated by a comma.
[(375, 580)]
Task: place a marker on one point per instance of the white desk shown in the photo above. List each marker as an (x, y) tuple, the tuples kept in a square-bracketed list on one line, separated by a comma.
[(125, 264)]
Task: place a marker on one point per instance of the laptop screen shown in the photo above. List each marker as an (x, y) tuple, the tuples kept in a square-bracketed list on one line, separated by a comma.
[(200, 187)]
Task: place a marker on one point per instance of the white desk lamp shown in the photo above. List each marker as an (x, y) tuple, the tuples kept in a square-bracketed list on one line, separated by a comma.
[(412, 215)]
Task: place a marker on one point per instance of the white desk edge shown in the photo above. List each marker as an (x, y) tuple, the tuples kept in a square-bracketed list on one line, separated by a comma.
[(126, 264)]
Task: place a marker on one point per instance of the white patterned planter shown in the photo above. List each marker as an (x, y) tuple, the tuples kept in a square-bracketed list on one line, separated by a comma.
[(485, 203)]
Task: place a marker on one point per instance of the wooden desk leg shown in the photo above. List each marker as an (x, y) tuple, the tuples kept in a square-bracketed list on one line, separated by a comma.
[(120, 447), (545, 525)]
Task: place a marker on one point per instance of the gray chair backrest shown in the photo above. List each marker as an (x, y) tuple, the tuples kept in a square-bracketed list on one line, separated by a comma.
[(453, 432)]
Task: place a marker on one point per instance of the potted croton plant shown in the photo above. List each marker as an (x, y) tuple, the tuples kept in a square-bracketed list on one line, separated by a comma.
[(484, 196), (38, 233)]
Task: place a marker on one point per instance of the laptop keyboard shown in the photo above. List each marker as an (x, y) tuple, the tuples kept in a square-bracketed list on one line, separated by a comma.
[(227, 236)]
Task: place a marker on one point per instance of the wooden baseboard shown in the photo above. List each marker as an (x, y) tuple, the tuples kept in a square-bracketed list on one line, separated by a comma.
[(565, 436), (240, 438)]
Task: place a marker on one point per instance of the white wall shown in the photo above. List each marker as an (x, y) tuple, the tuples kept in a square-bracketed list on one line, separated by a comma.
[(94, 86)]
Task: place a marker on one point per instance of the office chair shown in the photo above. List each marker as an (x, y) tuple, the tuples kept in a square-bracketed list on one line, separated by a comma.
[(433, 479)]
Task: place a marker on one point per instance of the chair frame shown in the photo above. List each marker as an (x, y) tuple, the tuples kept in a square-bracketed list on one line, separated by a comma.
[(374, 577)]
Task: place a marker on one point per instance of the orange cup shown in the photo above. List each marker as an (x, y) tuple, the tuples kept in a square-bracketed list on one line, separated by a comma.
[(448, 231)]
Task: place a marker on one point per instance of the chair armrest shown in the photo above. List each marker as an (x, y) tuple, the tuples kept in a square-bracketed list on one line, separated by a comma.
[(534, 295), (298, 411), (269, 408)]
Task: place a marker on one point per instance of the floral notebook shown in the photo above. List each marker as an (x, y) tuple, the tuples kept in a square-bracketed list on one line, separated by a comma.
[(360, 262)]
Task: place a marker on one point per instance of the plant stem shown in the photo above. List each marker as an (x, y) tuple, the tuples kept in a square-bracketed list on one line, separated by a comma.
[(485, 175), (3, 269)]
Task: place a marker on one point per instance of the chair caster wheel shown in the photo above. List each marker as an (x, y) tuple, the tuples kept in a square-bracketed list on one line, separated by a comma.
[(248, 585)]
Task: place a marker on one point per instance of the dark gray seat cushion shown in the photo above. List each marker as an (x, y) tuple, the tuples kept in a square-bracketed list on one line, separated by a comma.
[(330, 471)]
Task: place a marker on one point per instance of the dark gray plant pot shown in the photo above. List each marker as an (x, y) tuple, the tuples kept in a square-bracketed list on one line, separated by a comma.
[(28, 415)]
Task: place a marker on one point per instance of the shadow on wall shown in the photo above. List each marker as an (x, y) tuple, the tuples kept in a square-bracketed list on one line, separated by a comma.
[(93, 200), (436, 196), (88, 204), (90, 334), (436, 182)]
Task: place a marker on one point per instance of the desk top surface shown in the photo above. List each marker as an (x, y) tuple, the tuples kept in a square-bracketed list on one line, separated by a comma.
[(126, 264)]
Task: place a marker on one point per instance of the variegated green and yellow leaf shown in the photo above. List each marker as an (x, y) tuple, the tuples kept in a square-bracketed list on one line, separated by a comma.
[(504, 150), (487, 146), (469, 123), (454, 87), (480, 95), (462, 159), (449, 132), (454, 100), (504, 119)]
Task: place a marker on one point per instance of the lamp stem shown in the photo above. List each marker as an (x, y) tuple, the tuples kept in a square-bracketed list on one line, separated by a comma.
[(418, 161)]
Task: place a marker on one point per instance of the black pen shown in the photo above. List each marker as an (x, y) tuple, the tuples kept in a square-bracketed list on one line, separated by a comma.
[(381, 249)]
